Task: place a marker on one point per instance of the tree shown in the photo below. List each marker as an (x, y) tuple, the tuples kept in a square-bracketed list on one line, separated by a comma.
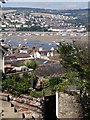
[(74, 58), (31, 64), (33, 77)]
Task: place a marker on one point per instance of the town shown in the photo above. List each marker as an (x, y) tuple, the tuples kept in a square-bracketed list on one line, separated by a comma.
[(15, 56), (44, 64)]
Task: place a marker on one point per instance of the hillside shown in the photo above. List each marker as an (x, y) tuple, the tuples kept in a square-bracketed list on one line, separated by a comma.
[(81, 14)]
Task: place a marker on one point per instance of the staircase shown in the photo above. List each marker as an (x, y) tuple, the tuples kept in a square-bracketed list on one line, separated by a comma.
[(20, 107)]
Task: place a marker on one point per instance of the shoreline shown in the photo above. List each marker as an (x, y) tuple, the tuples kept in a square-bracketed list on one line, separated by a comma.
[(48, 38)]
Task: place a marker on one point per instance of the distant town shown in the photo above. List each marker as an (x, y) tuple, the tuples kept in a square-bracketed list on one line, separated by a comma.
[(21, 19)]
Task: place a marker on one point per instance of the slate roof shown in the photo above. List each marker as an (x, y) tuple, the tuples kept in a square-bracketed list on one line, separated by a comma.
[(10, 57), (22, 55)]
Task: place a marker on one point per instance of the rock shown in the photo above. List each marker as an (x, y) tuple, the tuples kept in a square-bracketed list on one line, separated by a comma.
[(68, 106)]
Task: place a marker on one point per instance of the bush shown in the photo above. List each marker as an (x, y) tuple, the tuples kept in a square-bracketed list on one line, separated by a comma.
[(31, 64), (54, 81), (16, 85), (36, 94)]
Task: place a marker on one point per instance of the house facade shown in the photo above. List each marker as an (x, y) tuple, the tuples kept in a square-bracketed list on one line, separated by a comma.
[(2, 51)]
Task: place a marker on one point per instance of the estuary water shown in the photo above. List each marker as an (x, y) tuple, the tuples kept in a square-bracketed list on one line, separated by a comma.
[(30, 43)]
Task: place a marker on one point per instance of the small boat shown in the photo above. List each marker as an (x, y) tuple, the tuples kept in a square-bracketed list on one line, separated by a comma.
[(57, 43), (50, 44), (25, 39)]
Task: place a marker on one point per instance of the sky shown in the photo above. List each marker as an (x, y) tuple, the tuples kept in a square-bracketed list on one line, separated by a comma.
[(52, 4), (48, 0)]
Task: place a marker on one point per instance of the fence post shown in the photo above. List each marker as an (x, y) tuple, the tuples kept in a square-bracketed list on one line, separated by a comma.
[(57, 104)]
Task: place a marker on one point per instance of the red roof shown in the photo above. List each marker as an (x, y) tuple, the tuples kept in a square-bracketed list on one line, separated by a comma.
[(45, 51)]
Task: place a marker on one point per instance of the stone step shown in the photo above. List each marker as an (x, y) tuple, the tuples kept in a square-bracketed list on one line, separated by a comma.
[(6, 106), (11, 115)]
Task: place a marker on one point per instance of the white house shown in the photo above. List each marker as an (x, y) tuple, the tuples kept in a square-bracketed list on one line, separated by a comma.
[(47, 53), (2, 51), (25, 26), (23, 69), (18, 25)]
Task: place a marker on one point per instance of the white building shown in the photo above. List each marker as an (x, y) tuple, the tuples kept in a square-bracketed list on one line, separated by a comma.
[(18, 25), (2, 51)]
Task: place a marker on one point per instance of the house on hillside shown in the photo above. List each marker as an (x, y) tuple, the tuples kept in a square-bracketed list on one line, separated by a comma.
[(2, 52), (46, 53), (23, 50), (22, 56)]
